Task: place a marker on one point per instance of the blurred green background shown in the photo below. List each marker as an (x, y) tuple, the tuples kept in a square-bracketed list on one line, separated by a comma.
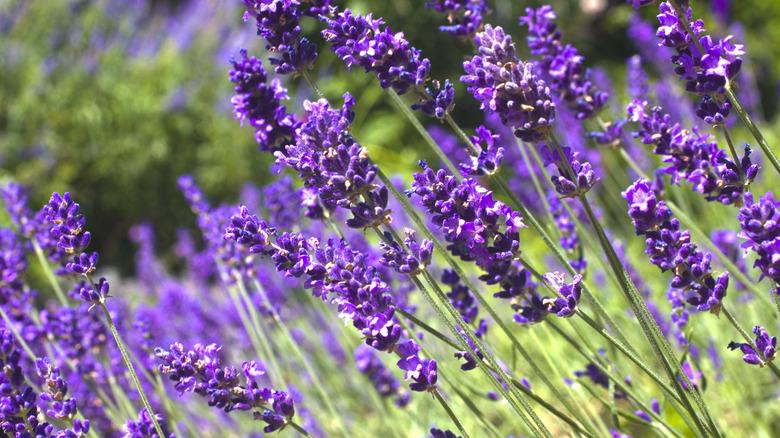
[(113, 100)]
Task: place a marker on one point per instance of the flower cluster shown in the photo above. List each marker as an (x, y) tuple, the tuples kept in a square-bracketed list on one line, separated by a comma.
[(412, 262), (200, 371), (569, 294), (504, 85), (760, 223), (670, 248), (438, 100), (562, 64), (278, 22), (19, 402), (489, 154), (463, 301), (705, 65), (464, 16), (568, 233), (142, 427), (693, 156), (329, 160), (366, 42), (258, 102), (761, 352), (386, 385), (480, 229), (568, 184), (341, 275)]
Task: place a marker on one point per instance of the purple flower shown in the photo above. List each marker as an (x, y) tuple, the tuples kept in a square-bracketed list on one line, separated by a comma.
[(200, 371), (246, 229), (489, 154), (412, 262), (422, 372), (636, 78), (760, 223), (566, 185), (504, 85), (276, 197), (329, 160), (670, 248), (762, 353), (439, 101), (569, 294), (705, 65), (142, 427), (693, 156), (278, 22), (258, 102), (464, 16), (438, 433), (14, 198), (368, 43), (481, 229), (370, 365), (562, 65), (461, 297)]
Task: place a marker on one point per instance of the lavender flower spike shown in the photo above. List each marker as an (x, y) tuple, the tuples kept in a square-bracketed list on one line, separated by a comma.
[(705, 65), (764, 351), (366, 42), (562, 65), (504, 85), (464, 16), (760, 222), (670, 248), (258, 102)]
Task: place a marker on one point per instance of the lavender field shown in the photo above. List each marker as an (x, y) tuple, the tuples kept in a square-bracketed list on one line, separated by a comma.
[(419, 218)]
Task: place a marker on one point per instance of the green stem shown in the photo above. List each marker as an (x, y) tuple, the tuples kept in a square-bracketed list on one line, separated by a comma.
[(550, 408), (300, 356), (745, 117), (298, 428), (48, 273), (449, 319), (130, 368), (453, 417), (424, 133)]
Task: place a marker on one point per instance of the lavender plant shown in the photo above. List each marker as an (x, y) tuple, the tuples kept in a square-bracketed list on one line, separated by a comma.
[(439, 302)]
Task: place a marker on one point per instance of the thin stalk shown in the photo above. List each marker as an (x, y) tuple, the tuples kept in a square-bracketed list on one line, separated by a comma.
[(424, 133), (130, 368), (300, 356), (451, 384), (453, 417), (254, 338), (733, 150), (618, 382), (473, 407), (649, 326), (623, 345), (260, 332), (455, 315), (745, 117), (48, 273), (298, 428), (17, 335), (522, 146), (547, 406)]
